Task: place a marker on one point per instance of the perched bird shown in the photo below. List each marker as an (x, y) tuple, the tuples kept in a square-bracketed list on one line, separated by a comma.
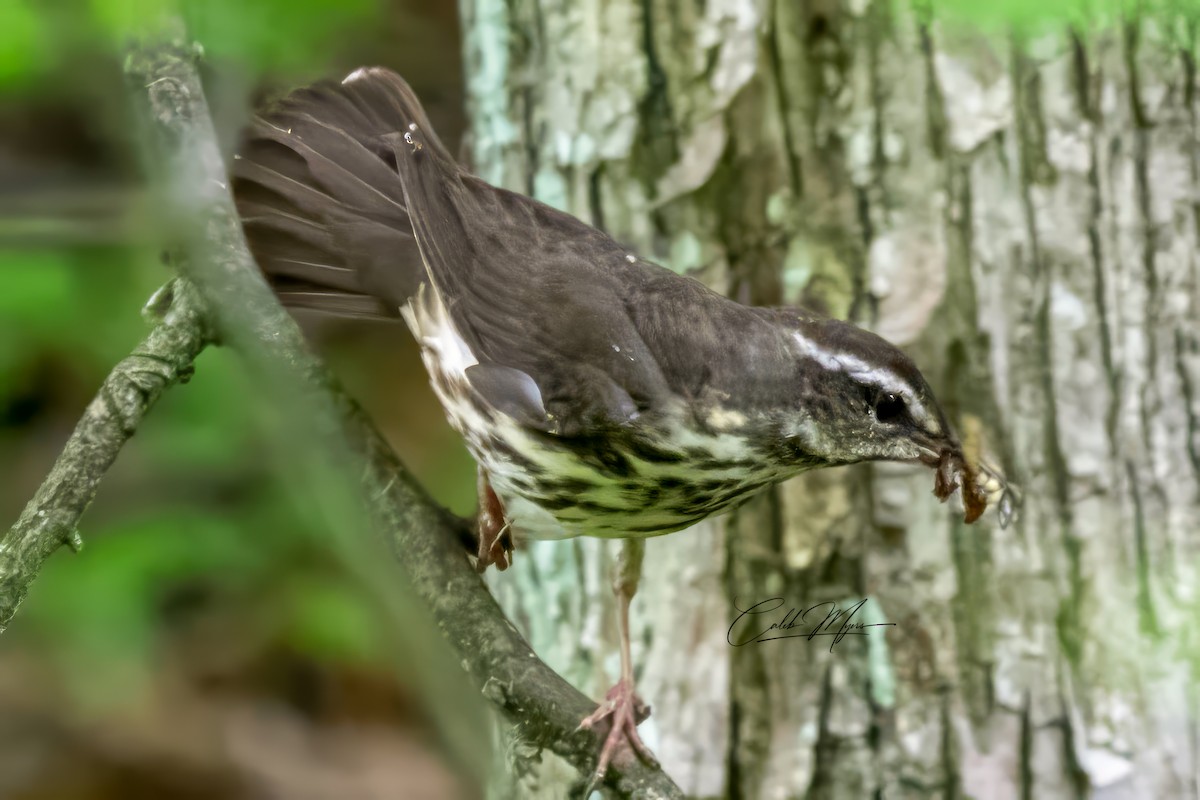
[(601, 394)]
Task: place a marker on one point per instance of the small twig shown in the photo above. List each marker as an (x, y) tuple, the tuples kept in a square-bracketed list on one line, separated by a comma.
[(51, 518)]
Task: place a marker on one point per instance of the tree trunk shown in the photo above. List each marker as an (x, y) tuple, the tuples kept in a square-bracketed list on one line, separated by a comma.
[(1020, 213)]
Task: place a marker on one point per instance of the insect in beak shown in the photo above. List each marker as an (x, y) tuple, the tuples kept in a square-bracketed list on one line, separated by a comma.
[(983, 484)]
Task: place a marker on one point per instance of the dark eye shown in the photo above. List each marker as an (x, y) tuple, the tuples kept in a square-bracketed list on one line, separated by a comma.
[(888, 408)]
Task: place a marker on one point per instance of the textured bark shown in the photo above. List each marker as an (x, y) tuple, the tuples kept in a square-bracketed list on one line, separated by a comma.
[(1021, 213)]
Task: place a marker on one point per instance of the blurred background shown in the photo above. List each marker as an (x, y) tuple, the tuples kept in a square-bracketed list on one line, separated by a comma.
[(205, 643)]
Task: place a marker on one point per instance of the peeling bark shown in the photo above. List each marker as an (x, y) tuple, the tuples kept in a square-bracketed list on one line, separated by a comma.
[(1021, 213)]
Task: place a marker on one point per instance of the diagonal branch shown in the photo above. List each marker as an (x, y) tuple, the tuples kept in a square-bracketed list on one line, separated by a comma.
[(543, 707), (51, 518)]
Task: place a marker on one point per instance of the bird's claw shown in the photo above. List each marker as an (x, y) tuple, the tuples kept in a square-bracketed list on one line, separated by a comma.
[(624, 710), (495, 547), (492, 550)]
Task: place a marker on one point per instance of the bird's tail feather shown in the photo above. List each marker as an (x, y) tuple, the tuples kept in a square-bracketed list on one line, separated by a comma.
[(322, 204)]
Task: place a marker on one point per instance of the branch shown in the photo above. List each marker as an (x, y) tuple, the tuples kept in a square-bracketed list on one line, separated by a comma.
[(51, 518), (545, 709)]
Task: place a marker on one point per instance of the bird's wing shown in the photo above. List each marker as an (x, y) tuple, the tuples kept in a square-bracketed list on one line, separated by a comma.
[(533, 290)]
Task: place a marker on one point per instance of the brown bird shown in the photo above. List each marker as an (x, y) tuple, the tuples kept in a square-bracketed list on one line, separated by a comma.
[(601, 394)]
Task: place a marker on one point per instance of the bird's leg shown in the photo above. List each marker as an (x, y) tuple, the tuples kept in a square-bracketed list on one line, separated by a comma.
[(495, 543), (622, 707)]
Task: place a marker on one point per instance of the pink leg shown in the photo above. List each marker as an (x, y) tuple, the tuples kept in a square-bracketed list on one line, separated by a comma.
[(622, 708), (494, 546)]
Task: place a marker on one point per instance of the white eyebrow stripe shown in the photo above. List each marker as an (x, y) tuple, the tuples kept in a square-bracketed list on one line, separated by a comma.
[(863, 372)]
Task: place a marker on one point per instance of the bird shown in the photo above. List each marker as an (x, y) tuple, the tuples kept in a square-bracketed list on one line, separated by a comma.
[(601, 394)]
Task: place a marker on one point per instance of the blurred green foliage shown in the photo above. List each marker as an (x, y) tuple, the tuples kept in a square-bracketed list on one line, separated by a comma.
[(209, 532), (264, 35), (24, 43), (42, 288), (203, 517), (226, 551), (193, 500), (68, 313), (1029, 17), (1025, 14), (271, 34)]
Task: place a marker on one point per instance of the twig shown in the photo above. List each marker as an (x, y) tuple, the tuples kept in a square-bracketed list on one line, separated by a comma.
[(51, 518)]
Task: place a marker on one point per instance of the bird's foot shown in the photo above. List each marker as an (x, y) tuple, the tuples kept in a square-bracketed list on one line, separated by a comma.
[(623, 710), (494, 548), (495, 541)]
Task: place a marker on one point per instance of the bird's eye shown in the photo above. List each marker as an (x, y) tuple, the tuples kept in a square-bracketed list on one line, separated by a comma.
[(889, 407)]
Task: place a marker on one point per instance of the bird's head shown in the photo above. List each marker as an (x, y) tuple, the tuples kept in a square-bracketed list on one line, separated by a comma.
[(860, 398)]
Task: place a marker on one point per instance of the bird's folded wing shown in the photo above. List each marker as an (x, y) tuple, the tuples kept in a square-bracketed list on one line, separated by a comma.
[(531, 289)]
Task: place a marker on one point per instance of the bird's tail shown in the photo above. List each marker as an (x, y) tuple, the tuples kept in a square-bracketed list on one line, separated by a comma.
[(318, 192)]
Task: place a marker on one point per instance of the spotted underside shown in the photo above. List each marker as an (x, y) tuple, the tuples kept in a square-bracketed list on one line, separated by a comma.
[(648, 477)]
